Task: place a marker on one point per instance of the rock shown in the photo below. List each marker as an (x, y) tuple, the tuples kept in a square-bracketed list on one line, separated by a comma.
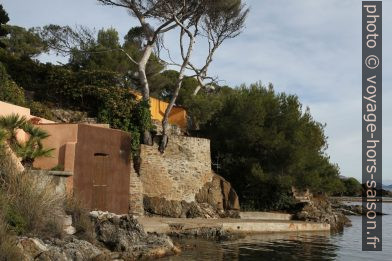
[(70, 230), (163, 207), (122, 234), (219, 194), (215, 199), (57, 249), (319, 209), (117, 237), (69, 116), (31, 247), (202, 210)]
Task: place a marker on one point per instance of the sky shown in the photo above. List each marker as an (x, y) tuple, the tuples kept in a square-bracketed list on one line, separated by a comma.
[(304, 47)]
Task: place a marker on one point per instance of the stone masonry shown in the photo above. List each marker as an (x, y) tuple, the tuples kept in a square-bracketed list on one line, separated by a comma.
[(135, 194), (180, 172)]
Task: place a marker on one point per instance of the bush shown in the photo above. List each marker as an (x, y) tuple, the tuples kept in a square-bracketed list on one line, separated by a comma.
[(30, 203), (41, 110), (9, 90), (80, 220), (8, 248)]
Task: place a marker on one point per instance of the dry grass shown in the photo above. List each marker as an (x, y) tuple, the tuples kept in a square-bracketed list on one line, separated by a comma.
[(8, 248), (80, 220), (29, 203)]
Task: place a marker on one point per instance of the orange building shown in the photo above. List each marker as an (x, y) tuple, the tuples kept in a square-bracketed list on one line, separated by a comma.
[(158, 107)]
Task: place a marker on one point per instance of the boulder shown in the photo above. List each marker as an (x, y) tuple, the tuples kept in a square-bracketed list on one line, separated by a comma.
[(125, 237), (215, 199), (116, 237), (31, 247), (319, 209), (57, 249), (163, 207), (219, 193)]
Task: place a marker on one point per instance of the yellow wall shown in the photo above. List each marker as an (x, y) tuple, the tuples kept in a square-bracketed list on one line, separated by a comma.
[(157, 107)]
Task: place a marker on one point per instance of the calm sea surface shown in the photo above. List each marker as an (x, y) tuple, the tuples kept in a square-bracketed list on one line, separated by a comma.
[(303, 246)]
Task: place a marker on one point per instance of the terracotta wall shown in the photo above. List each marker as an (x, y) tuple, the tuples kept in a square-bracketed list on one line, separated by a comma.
[(62, 139), (102, 168)]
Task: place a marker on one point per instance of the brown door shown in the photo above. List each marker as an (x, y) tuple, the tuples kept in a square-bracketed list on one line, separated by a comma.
[(100, 181)]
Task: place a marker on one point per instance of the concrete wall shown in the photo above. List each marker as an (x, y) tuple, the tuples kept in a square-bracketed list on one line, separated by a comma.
[(180, 172), (8, 109)]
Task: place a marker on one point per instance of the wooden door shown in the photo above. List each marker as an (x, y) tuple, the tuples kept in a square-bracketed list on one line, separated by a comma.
[(100, 182)]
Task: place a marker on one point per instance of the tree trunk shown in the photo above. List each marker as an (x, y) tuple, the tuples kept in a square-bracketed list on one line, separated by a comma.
[(197, 90), (165, 121), (147, 138)]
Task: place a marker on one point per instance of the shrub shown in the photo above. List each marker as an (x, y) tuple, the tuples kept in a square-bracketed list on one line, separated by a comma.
[(30, 203), (8, 248), (9, 90), (41, 110), (80, 220)]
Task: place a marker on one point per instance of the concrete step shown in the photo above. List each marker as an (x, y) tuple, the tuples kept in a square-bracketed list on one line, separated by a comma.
[(167, 225), (265, 215)]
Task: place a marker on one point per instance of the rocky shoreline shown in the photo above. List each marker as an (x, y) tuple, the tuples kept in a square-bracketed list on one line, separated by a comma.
[(122, 237), (116, 237), (321, 209)]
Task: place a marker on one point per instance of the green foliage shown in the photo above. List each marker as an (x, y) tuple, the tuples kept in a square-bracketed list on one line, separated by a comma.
[(16, 221), (352, 187), (8, 242), (32, 148), (266, 143), (40, 110), (3, 20), (28, 205), (22, 42), (9, 90)]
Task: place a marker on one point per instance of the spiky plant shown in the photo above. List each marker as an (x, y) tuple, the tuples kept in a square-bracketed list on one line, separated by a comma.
[(32, 148), (3, 136), (11, 123)]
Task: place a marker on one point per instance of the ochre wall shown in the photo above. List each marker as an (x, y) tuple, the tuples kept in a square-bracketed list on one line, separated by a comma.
[(177, 115), (180, 172)]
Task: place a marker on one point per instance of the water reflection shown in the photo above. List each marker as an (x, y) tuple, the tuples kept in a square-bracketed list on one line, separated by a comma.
[(293, 246)]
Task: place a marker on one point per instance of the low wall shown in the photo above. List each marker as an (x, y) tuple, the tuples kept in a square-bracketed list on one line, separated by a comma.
[(57, 178)]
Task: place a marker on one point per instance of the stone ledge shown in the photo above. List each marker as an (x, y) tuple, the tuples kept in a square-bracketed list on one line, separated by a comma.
[(53, 173)]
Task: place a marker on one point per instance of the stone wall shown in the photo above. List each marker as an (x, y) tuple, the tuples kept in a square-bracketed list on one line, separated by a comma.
[(180, 172), (135, 194), (56, 178), (181, 183)]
